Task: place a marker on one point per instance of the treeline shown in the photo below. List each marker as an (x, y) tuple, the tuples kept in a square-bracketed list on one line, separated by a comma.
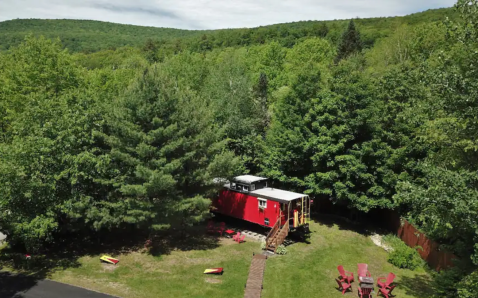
[(113, 139), (92, 36)]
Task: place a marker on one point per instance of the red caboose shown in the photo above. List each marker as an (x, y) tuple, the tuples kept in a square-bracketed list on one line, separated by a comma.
[(249, 198)]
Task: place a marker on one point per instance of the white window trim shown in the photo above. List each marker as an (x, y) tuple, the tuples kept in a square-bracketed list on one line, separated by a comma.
[(264, 203)]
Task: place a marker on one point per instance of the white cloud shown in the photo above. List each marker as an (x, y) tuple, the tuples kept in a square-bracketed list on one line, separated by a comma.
[(211, 14)]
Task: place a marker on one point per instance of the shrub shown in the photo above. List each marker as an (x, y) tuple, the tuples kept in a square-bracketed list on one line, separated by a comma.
[(281, 250), (468, 286), (263, 245), (403, 256)]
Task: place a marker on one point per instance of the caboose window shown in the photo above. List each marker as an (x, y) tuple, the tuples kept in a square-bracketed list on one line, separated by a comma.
[(253, 186), (262, 203), (233, 185)]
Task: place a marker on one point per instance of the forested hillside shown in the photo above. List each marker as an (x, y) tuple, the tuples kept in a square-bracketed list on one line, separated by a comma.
[(84, 35), (90, 36), (381, 116)]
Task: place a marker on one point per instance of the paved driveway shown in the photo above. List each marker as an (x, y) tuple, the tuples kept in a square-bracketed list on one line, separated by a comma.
[(20, 286)]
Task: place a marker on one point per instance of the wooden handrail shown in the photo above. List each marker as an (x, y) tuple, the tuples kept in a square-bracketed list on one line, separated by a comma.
[(274, 228), (273, 231)]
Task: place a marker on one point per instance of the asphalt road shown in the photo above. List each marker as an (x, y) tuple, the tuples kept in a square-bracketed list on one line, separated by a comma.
[(20, 286)]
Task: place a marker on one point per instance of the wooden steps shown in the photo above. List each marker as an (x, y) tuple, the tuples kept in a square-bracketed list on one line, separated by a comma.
[(276, 236), (256, 276)]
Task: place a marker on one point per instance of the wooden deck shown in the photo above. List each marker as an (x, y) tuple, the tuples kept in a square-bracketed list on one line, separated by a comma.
[(256, 275)]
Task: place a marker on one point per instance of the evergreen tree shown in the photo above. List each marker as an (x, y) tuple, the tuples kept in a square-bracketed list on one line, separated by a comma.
[(286, 158), (205, 44), (350, 42), (321, 29), (150, 49), (167, 151), (349, 157)]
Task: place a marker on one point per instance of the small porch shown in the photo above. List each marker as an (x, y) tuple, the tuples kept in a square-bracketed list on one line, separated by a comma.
[(293, 214)]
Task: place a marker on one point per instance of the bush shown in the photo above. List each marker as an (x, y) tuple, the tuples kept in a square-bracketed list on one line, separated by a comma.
[(263, 245), (446, 282), (281, 250), (403, 256), (468, 286)]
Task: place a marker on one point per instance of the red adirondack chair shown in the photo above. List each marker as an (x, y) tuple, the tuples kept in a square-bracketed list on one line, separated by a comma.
[(343, 273), (221, 228), (386, 293), (362, 270), (210, 227), (387, 283), (235, 237), (241, 239), (343, 286), (365, 292)]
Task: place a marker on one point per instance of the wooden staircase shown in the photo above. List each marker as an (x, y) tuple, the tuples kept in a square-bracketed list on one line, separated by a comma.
[(276, 236)]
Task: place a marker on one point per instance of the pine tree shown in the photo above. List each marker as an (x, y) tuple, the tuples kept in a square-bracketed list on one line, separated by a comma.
[(321, 29), (168, 150), (150, 49), (350, 43)]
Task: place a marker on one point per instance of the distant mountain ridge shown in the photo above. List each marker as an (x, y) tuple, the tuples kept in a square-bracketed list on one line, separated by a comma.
[(91, 36)]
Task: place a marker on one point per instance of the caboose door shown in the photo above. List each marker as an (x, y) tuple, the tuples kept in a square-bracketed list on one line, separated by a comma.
[(283, 214)]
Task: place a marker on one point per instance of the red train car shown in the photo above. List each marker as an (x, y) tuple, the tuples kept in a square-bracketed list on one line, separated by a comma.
[(249, 198)]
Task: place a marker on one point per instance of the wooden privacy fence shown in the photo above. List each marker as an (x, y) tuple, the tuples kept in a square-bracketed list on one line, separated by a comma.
[(412, 237)]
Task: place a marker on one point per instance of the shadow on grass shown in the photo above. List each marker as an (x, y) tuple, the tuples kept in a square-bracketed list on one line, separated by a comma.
[(345, 224), (194, 238), (240, 225), (418, 286), (67, 251)]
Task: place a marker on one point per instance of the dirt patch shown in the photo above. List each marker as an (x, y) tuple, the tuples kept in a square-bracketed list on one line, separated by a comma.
[(108, 267), (377, 240), (213, 280), (226, 241)]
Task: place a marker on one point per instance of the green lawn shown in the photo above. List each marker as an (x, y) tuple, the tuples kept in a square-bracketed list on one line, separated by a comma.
[(308, 270)]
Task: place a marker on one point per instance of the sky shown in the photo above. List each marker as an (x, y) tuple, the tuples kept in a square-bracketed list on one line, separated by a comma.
[(211, 14)]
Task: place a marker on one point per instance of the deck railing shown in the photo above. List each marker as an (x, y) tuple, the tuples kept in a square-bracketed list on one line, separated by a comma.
[(273, 231), (277, 235)]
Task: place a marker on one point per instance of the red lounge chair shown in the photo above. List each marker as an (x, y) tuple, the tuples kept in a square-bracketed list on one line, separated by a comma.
[(343, 286), (387, 283), (235, 237), (222, 228), (241, 239), (386, 293), (210, 227), (345, 277), (365, 292), (363, 271)]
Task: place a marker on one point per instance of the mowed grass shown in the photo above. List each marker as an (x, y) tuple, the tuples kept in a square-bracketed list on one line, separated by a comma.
[(178, 274), (308, 270)]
